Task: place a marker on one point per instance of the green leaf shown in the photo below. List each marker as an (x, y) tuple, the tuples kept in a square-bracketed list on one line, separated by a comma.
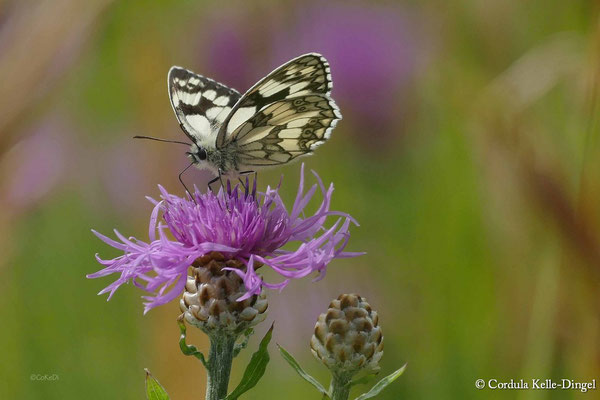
[(242, 345), (185, 349), (154, 391), (294, 364), (379, 386), (364, 379), (255, 369)]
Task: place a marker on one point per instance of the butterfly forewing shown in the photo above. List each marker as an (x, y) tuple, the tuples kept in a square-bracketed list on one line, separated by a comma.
[(285, 115), (304, 75), (201, 104), (285, 129)]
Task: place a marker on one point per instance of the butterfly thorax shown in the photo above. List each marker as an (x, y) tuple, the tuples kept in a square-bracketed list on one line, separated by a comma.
[(216, 160)]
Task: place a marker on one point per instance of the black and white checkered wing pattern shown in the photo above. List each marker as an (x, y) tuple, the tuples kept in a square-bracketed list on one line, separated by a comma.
[(200, 104), (306, 75), (285, 129)]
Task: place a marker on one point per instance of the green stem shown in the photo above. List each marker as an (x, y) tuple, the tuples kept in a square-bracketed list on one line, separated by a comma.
[(340, 387), (220, 358)]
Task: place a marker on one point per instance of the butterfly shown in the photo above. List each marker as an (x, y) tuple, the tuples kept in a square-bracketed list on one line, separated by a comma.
[(286, 115)]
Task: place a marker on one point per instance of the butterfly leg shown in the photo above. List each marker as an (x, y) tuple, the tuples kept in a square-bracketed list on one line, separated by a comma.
[(221, 178), (247, 184), (181, 179), (211, 182), (218, 178)]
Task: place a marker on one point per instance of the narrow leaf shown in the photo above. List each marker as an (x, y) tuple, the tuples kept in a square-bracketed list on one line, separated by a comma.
[(244, 343), (364, 379), (154, 391), (379, 386), (185, 349), (255, 369), (294, 364)]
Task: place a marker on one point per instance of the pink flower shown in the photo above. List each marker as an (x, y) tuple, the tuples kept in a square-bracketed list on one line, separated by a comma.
[(244, 225)]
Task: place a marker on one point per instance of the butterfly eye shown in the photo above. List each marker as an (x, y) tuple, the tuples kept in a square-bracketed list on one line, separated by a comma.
[(201, 154)]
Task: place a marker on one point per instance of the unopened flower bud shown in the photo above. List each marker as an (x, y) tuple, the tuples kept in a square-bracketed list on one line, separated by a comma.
[(347, 337)]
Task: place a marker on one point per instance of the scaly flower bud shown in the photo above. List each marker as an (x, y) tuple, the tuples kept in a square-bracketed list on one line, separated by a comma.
[(210, 300), (347, 338)]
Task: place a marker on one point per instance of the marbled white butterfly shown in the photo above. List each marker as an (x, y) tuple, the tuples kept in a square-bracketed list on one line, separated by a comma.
[(285, 115)]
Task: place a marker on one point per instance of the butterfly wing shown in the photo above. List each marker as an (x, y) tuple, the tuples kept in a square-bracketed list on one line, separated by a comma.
[(308, 74), (285, 129), (200, 104)]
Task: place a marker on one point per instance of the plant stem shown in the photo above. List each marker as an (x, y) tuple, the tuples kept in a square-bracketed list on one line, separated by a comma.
[(220, 358), (340, 387)]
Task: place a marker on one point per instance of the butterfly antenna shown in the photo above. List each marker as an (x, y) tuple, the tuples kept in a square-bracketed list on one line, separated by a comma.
[(161, 140)]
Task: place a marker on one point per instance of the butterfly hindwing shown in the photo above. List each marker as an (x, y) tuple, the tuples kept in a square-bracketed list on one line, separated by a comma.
[(304, 75), (285, 115), (285, 129), (200, 104)]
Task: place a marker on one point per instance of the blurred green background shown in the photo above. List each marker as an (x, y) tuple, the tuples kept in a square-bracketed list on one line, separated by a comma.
[(469, 152)]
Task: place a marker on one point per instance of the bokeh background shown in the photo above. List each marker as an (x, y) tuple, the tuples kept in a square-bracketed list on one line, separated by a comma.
[(469, 152)]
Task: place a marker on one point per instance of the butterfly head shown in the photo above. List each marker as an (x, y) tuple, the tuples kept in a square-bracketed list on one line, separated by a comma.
[(197, 154)]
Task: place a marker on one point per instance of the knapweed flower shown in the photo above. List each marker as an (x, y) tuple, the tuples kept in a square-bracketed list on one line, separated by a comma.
[(242, 225)]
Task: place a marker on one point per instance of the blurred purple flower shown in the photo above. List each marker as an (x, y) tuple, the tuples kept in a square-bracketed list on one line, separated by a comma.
[(123, 188), (227, 49), (372, 50), (37, 164), (247, 226)]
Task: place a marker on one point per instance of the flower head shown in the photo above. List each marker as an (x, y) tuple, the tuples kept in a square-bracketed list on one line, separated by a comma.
[(347, 337), (242, 225), (211, 298)]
